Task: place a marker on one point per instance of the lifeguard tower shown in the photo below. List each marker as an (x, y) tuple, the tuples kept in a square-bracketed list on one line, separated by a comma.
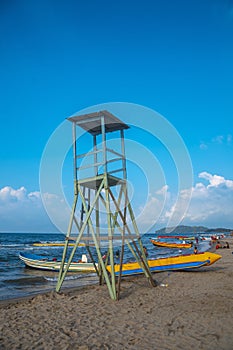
[(101, 214)]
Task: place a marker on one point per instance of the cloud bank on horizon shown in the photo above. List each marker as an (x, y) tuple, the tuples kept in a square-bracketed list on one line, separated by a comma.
[(211, 206)]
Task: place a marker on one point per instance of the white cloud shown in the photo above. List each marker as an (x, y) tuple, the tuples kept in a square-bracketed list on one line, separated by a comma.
[(150, 212), (58, 210), (21, 210), (222, 139), (203, 146), (8, 194), (217, 140), (211, 205), (216, 180), (229, 139), (15, 198)]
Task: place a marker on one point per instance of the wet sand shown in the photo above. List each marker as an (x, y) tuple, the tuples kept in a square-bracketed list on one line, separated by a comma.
[(194, 310)]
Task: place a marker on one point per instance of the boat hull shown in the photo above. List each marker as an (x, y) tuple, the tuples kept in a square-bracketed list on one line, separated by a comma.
[(190, 238), (170, 244), (181, 262), (55, 244), (41, 263)]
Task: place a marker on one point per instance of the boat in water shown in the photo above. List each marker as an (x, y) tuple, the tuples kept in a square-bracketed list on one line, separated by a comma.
[(171, 244), (51, 264), (55, 244), (172, 263)]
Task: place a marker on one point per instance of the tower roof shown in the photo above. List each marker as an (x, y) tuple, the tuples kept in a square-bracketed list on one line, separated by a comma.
[(91, 122)]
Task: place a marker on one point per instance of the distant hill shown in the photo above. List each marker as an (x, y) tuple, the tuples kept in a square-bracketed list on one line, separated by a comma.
[(210, 230), (182, 229)]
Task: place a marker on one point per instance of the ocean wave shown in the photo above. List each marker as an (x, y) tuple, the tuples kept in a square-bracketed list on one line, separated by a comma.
[(25, 280), (70, 278), (12, 245)]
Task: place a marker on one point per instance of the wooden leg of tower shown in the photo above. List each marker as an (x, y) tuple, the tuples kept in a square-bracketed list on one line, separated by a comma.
[(145, 265), (103, 267), (120, 271), (122, 250), (59, 282), (110, 242), (97, 228), (140, 257), (86, 222), (96, 241)]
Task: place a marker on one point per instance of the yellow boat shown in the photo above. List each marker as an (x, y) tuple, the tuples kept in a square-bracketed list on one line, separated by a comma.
[(55, 244), (181, 238), (181, 262), (171, 244)]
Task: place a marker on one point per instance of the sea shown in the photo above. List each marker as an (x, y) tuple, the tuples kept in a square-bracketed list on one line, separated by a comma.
[(17, 280)]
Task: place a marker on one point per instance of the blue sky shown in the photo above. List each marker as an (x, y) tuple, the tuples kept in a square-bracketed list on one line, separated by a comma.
[(58, 57)]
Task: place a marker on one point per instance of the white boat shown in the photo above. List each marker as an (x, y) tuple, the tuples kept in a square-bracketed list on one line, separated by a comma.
[(44, 263)]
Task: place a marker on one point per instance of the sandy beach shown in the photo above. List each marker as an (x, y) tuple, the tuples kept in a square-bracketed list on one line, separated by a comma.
[(187, 310)]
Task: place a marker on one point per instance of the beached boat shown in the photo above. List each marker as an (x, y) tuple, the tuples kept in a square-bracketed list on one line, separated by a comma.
[(44, 263), (170, 244), (190, 238), (181, 262)]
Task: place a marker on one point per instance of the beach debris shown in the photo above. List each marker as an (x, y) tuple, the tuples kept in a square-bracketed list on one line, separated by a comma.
[(163, 285)]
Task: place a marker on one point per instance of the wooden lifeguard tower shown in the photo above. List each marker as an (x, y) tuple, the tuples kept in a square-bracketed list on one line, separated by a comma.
[(100, 196)]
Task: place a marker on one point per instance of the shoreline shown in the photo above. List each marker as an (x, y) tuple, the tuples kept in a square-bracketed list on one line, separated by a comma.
[(194, 310)]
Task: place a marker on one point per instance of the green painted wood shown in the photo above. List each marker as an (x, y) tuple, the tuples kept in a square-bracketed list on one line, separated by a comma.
[(103, 267), (62, 273), (98, 124), (110, 240), (59, 282)]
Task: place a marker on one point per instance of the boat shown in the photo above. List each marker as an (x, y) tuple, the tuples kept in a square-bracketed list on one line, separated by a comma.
[(55, 244), (180, 262), (44, 263), (190, 238), (171, 244), (171, 263)]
